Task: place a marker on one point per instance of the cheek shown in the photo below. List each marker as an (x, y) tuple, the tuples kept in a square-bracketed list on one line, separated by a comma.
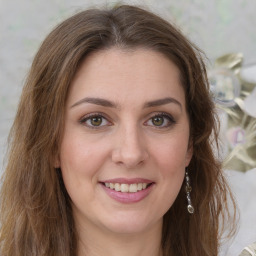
[(172, 156), (80, 159), (171, 171), (80, 163)]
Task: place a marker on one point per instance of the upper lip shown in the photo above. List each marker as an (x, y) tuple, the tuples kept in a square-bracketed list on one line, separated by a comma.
[(127, 181)]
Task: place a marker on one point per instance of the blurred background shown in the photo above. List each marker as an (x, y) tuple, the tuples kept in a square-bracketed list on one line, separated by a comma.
[(223, 29)]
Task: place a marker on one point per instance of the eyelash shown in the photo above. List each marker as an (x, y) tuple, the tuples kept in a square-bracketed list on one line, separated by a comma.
[(89, 117), (163, 115)]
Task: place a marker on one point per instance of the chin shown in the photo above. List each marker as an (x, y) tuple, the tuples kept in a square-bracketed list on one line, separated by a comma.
[(131, 224)]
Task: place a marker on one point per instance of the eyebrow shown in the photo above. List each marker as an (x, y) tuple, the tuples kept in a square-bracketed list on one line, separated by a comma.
[(160, 102), (110, 104), (96, 101)]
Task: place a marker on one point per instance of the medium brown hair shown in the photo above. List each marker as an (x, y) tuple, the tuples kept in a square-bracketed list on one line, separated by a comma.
[(36, 216)]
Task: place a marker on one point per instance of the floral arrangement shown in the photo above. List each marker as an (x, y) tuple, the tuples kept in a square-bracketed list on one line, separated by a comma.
[(234, 91)]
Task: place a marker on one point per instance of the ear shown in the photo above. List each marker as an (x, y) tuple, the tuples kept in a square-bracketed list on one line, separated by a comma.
[(189, 153), (56, 161)]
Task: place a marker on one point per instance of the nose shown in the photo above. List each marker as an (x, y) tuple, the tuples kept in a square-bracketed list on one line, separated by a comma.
[(130, 149)]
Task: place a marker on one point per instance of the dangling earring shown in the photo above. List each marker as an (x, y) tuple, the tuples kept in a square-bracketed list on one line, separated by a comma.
[(188, 188)]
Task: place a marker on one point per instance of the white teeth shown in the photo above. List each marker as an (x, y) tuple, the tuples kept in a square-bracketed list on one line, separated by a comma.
[(117, 187), (132, 188), (124, 187), (139, 187)]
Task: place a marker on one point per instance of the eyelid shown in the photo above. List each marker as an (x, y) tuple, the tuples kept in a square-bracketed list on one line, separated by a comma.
[(169, 117), (161, 114), (83, 120)]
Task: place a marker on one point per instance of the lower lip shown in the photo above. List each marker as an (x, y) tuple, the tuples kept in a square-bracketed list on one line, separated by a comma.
[(124, 197)]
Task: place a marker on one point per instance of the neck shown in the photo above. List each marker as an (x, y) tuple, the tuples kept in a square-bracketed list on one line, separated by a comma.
[(95, 242)]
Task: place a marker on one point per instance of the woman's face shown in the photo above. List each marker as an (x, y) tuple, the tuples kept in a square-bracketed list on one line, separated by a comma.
[(125, 143)]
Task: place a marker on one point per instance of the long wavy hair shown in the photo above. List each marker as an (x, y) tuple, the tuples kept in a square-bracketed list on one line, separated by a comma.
[(36, 215)]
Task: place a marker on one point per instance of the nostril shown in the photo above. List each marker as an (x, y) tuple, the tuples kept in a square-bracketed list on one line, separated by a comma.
[(130, 157)]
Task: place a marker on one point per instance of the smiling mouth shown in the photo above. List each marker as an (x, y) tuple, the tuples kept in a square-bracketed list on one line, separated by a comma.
[(127, 188)]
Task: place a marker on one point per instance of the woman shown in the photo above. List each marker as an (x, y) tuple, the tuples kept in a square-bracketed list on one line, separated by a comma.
[(111, 149)]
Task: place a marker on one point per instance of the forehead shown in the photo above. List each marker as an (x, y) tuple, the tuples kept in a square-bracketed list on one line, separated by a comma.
[(120, 74)]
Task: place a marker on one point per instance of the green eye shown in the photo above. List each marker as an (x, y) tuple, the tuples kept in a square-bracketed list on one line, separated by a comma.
[(96, 121), (161, 120), (158, 120)]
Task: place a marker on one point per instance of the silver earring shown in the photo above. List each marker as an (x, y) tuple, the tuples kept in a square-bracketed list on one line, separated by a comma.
[(188, 188)]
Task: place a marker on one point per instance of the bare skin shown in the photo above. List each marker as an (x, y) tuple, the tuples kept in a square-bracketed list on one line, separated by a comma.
[(126, 124)]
